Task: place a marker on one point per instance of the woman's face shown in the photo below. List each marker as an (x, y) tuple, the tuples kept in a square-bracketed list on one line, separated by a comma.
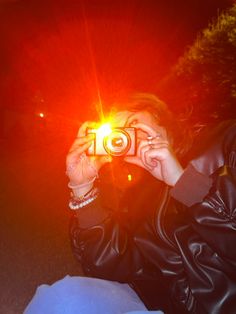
[(128, 118)]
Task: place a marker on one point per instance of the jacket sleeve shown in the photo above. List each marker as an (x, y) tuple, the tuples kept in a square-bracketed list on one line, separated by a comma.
[(104, 239), (101, 244), (207, 243), (208, 188)]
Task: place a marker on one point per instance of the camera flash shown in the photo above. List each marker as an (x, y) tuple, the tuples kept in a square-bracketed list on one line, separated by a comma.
[(104, 130)]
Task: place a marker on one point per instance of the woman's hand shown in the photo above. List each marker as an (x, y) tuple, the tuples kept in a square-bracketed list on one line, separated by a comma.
[(156, 155), (82, 169)]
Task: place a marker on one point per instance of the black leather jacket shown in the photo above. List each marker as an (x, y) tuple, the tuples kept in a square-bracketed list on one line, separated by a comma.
[(176, 247)]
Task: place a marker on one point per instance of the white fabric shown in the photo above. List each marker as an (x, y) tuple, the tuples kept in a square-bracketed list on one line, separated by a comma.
[(82, 295)]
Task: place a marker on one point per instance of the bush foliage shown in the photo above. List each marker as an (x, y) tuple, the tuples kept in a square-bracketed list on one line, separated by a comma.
[(203, 82)]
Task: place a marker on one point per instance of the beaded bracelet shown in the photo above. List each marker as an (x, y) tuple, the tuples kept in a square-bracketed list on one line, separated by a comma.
[(75, 204), (84, 196)]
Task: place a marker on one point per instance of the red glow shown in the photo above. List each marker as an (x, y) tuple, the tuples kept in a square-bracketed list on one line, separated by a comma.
[(72, 54), (76, 55)]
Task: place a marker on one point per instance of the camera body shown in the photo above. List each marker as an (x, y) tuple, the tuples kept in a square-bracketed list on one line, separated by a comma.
[(121, 141)]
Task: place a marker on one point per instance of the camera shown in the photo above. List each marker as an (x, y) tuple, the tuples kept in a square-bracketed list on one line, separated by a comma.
[(119, 141)]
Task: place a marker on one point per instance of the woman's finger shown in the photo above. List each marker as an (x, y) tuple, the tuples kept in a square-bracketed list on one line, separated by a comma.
[(134, 160), (86, 125), (80, 141), (146, 128), (77, 151), (154, 141), (157, 153), (142, 150), (137, 160), (150, 131)]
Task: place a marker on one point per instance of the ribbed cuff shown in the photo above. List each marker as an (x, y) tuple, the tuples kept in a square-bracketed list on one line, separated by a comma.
[(192, 187)]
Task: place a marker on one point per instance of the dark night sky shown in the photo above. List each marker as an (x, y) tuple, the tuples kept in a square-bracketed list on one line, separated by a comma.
[(56, 56)]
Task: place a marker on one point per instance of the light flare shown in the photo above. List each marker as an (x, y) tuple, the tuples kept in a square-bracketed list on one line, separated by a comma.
[(104, 130), (129, 177)]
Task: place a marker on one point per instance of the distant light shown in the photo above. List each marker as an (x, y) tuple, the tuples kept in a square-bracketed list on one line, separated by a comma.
[(129, 177), (41, 114)]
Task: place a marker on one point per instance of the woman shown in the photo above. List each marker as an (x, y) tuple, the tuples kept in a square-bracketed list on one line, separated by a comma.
[(168, 231)]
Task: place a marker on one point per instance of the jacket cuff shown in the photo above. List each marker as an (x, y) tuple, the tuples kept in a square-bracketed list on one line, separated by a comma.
[(192, 187), (91, 214)]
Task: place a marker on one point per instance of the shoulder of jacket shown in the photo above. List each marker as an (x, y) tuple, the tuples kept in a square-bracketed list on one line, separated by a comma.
[(214, 146)]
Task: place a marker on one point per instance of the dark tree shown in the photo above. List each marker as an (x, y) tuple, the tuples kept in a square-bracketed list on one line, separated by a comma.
[(203, 83)]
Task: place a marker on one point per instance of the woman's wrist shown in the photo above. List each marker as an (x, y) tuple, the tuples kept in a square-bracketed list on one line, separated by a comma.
[(81, 189), (177, 175), (77, 203), (80, 192)]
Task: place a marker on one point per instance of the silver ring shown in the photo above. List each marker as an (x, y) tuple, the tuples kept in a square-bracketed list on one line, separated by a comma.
[(149, 140)]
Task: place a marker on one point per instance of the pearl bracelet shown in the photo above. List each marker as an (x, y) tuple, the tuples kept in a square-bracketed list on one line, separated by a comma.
[(74, 205)]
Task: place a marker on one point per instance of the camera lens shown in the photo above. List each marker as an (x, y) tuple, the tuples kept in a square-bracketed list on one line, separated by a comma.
[(117, 143)]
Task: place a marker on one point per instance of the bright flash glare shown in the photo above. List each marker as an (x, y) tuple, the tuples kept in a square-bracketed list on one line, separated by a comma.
[(105, 129), (41, 114), (129, 177)]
